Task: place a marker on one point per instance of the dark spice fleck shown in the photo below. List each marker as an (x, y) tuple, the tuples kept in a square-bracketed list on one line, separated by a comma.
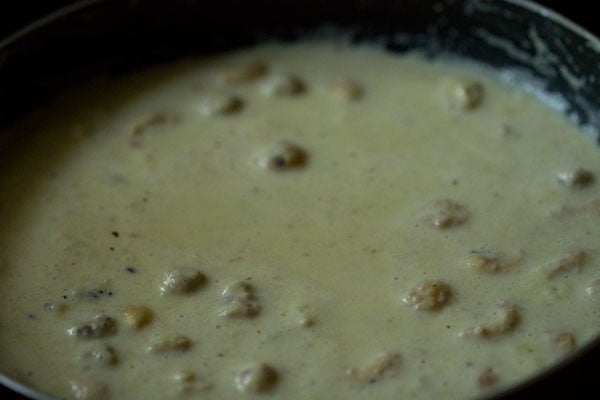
[(101, 326), (131, 270), (115, 233), (93, 293), (279, 161)]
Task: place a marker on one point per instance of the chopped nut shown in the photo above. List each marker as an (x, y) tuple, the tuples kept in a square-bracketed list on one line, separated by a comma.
[(563, 342), (283, 86), (305, 317), (171, 343), (444, 214), (136, 317), (187, 382), (101, 326), (184, 376), (573, 262), (256, 379), (382, 364), (59, 308), (242, 73), (238, 300), (285, 156), (145, 123), (578, 179), (347, 90), (491, 262), (217, 104), (101, 355), (429, 295), (486, 378), (89, 389), (462, 95), (182, 280), (507, 319), (593, 289)]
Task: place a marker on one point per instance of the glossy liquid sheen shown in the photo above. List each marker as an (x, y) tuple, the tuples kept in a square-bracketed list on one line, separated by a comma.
[(380, 230)]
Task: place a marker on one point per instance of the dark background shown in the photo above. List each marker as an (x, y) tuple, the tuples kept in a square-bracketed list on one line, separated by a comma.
[(14, 14)]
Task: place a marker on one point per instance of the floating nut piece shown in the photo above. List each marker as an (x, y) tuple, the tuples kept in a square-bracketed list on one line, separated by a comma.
[(429, 295), (147, 122), (283, 86), (462, 95), (171, 343), (593, 289), (238, 300), (563, 342), (59, 308), (486, 261), (101, 326), (305, 317), (101, 355), (187, 383), (182, 280), (487, 378), (384, 363), (507, 318), (220, 104), (491, 262), (285, 156), (136, 317), (444, 214), (578, 179), (242, 73), (88, 389), (573, 262), (257, 378), (347, 90), (184, 376)]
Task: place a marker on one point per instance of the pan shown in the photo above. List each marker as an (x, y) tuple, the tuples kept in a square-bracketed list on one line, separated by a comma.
[(522, 39)]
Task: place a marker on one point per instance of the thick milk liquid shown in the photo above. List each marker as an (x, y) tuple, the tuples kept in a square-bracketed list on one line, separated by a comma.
[(307, 221)]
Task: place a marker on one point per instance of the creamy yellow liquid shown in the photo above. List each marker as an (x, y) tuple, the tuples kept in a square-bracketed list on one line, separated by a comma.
[(112, 187)]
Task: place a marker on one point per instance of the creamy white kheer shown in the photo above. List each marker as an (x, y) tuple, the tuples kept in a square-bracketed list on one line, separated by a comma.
[(307, 221)]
